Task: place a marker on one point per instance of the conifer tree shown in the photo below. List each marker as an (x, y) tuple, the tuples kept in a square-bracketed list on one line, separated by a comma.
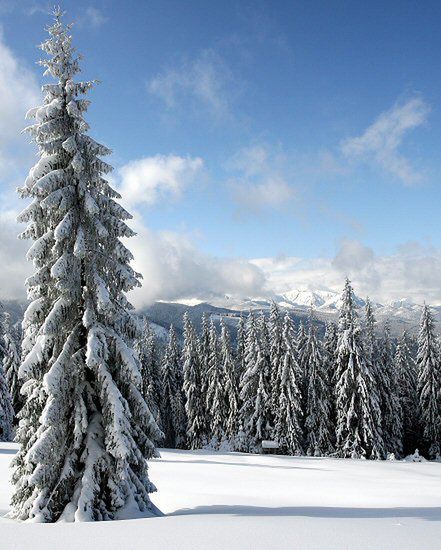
[(194, 398), (300, 347), (268, 369), (204, 359), (253, 393), (6, 409), (358, 427), (11, 364), (429, 383), (330, 358), (216, 400), (392, 422), (85, 430), (288, 431), (408, 391), (318, 424), (148, 354), (373, 360), (173, 416), (275, 353), (240, 349), (231, 386)]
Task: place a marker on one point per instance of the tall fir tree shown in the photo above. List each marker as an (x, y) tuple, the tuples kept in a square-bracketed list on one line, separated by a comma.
[(392, 419), (231, 387), (204, 359), (373, 359), (300, 348), (85, 430), (358, 433), (194, 397), (330, 360), (216, 398), (253, 392), (429, 384), (6, 355), (288, 430), (318, 422), (174, 421), (408, 391), (240, 348), (148, 354), (275, 355), (268, 368), (11, 364)]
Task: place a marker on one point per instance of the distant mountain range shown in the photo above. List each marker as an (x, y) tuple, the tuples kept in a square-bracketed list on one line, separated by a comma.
[(402, 314)]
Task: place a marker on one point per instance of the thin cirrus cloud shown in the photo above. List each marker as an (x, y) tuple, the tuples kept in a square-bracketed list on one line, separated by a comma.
[(381, 141), (205, 80), (259, 182)]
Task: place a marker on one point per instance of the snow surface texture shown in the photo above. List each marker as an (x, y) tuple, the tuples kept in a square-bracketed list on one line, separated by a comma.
[(235, 501)]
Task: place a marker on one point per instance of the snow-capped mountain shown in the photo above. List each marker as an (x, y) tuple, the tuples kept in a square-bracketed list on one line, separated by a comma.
[(402, 314)]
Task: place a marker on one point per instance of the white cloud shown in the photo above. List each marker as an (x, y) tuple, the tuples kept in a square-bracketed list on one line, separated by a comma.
[(260, 182), (93, 17), (146, 180), (15, 268), (413, 271), (206, 81), (18, 91), (381, 141), (174, 268), (172, 265)]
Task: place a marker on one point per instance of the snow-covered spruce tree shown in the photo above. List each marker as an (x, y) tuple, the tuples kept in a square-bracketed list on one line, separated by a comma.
[(429, 384), (392, 419), (373, 359), (300, 347), (11, 364), (85, 430), (147, 349), (253, 389), (215, 398), (174, 421), (288, 430), (408, 391), (269, 372), (275, 354), (231, 387), (330, 358), (358, 432), (318, 422), (194, 398), (204, 358), (240, 349), (6, 410)]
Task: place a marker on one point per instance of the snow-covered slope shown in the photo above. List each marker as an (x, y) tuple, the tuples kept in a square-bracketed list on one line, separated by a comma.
[(247, 502)]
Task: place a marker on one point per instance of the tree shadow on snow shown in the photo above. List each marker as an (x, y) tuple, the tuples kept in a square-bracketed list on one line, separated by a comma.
[(429, 513), (228, 463), (8, 451)]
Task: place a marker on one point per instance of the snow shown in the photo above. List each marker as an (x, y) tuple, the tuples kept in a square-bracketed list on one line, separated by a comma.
[(236, 501)]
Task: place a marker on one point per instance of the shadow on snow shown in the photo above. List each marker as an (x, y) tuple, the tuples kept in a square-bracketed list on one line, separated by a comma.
[(429, 514)]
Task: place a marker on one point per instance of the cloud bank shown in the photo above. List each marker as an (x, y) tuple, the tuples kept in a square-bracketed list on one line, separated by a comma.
[(412, 271)]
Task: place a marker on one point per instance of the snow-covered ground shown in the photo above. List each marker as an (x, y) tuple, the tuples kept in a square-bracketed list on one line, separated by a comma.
[(235, 501)]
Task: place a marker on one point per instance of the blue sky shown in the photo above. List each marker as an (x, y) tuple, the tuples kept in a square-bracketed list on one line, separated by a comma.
[(307, 130)]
